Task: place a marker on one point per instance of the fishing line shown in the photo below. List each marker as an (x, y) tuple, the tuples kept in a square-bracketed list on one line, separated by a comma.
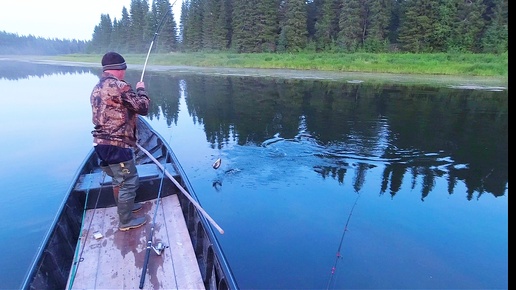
[(77, 260), (331, 280)]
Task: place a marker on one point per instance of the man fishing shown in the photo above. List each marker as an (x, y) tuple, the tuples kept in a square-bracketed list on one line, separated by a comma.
[(115, 108)]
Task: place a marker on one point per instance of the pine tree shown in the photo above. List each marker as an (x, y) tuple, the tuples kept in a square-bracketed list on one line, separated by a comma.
[(327, 24), (470, 24), (124, 29), (267, 25), (210, 10), (193, 26), (139, 28), (166, 39), (352, 24), (378, 19), (243, 25), (222, 25), (294, 29), (496, 36), (418, 23), (101, 39), (443, 33), (183, 37)]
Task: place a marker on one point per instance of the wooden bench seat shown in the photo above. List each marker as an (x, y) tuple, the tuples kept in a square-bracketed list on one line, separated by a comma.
[(96, 180)]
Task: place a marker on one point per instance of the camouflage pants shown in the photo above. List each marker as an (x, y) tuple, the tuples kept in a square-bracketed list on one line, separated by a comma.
[(124, 176)]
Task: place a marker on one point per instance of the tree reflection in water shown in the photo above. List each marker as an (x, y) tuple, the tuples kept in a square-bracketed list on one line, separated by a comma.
[(297, 153)]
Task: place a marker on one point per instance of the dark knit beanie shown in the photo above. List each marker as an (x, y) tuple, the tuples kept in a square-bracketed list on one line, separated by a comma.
[(113, 60)]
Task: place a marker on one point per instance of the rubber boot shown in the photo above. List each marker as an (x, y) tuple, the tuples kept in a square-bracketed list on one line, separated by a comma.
[(116, 190), (126, 219)]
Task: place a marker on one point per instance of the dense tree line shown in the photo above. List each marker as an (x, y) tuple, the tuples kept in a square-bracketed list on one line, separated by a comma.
[(13, 44), (136, 29), (315, 25), (346, 25), (418, 26)]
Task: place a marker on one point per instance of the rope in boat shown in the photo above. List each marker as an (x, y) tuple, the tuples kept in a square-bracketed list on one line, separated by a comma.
[(78, 259), (331, 280)]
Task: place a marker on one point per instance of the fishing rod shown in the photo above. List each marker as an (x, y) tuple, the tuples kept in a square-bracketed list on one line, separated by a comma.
[(151, 234), (338, 256), (153, 39)]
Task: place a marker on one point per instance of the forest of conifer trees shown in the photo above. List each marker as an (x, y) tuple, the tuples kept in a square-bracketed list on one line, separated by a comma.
[(243, 26)]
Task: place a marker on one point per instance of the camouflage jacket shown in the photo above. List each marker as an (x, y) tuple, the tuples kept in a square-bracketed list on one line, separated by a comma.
[(115, 107)]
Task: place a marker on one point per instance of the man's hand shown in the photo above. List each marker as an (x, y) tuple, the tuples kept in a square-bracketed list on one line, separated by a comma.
[(140, 85)]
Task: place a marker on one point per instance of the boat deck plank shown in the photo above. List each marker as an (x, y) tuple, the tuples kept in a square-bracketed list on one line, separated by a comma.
[(115, 261)]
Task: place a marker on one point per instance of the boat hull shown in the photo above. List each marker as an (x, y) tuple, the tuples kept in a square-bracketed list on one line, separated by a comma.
[(58, 257)]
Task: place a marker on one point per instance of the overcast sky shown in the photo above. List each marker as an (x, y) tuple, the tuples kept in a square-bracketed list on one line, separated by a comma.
[(62, 19)]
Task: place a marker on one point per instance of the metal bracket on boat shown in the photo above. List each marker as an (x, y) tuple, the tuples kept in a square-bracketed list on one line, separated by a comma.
[(159, 248)]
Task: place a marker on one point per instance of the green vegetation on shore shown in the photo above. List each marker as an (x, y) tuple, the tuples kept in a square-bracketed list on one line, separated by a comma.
[(459, 64)]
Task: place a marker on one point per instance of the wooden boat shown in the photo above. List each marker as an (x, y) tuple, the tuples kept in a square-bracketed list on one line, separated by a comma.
[(176, 249)]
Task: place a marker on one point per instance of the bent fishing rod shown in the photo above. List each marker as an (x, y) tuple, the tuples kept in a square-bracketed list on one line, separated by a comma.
[(149, 240), (154, 39)]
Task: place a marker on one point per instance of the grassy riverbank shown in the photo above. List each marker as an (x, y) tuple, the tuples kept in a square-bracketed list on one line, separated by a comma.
[(458, 64)]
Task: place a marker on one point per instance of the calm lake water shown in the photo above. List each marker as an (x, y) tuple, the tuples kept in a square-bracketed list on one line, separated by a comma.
[(324, 183)]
